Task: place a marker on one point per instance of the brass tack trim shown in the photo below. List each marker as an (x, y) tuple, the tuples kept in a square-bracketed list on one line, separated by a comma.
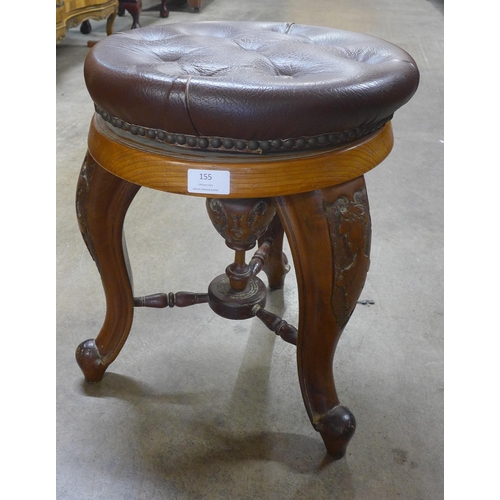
[(241, 145)]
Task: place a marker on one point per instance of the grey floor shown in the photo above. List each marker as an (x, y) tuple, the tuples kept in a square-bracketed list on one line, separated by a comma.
[(198, 407)]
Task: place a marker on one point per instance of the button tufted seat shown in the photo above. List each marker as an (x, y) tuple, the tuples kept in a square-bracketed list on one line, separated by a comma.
[(249, 87), (275, 125)]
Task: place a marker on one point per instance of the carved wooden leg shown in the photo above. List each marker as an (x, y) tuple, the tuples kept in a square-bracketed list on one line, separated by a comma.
[(134, 8), (276, 267), (164, 9), (329, 233), (110, 22), (102, 200)]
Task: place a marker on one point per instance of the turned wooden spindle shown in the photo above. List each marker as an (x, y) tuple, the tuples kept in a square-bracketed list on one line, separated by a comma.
[(238, 272), (259, 258), (179, 299), (276, 324)]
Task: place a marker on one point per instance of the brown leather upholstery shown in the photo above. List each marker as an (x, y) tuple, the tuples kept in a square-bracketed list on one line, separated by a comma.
[(248, 86)]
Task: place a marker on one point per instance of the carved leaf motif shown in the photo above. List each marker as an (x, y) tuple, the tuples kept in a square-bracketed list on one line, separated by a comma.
[(240, 221), (219, 217), (350, 236), (256, 214), (82, 193)]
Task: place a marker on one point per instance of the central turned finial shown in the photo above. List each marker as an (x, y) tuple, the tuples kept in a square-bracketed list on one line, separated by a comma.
[(241, 222)]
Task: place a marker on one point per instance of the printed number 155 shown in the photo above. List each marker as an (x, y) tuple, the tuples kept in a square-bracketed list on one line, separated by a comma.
[(205, 177)]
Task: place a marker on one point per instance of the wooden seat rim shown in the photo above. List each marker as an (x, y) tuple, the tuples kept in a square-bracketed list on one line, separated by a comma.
[(251, 176)]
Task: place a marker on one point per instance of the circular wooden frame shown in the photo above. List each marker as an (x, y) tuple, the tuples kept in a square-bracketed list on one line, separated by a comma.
[(158, 166)]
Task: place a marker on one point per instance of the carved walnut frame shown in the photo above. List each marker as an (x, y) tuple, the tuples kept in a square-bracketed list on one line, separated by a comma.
[(318, 199)]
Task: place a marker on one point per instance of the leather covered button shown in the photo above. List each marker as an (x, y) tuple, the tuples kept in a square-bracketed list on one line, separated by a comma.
[(248, 87)]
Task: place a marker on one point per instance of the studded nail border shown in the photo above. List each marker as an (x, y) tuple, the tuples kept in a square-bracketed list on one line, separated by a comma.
[(241, 145)]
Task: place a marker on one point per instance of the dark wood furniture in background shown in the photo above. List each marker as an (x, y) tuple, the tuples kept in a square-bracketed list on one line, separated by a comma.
[(193, 4), (71, 13), (134, 8)]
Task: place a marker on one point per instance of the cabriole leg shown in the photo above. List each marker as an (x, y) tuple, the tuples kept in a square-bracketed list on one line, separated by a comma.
[(110, 22), (329, 234), (164, 9), (134, 8), (102, 201), (276, 266)]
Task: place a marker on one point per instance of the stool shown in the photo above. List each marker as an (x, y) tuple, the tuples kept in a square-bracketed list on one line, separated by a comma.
[(275, 125)]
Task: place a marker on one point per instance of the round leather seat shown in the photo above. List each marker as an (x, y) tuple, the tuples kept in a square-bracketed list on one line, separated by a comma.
[(248, 87)]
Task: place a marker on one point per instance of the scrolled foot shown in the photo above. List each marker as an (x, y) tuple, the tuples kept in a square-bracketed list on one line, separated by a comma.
[(89, 361), (336, 427)]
